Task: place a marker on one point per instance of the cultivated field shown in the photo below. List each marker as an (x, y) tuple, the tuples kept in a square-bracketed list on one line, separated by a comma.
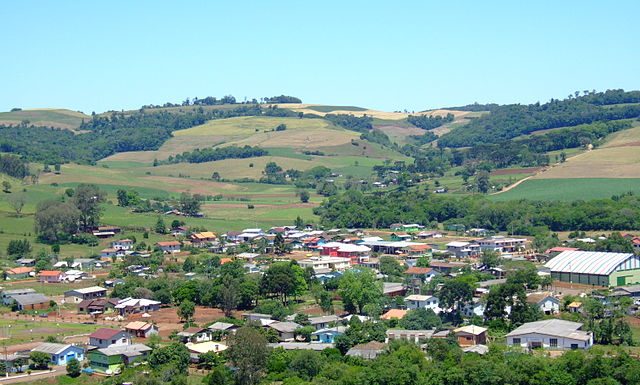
[(569, 189), (59, 118)]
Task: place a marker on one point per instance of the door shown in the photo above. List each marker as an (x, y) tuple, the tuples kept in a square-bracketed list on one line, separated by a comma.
[(621, 281)]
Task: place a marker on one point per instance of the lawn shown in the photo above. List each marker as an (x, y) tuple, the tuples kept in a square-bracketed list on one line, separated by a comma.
[(569, 189), (48, 289), (66, 380)]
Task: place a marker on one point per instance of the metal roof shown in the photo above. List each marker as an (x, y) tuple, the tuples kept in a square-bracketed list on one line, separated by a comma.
[(587, 262), (51, 348)]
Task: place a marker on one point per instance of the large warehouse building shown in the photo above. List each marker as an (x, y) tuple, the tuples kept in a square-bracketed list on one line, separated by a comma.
[(596, 268)]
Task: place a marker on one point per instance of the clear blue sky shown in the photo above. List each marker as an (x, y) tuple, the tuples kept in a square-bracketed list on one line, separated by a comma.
[(95, 56)]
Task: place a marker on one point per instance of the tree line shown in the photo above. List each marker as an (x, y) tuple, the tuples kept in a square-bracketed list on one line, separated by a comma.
[(13, 166), (510, 121), (429, 122), (212, 154), (353, 209)]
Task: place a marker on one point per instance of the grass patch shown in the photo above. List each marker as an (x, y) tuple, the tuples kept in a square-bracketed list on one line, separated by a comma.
[(21, 331), (328, 109), (569, 189)]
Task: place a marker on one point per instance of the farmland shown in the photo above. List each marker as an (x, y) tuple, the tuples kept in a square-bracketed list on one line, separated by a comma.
[(569, 189), (59, 118)]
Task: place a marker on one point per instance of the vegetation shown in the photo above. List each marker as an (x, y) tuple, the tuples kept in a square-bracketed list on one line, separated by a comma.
[(212, 154), (429, 122)]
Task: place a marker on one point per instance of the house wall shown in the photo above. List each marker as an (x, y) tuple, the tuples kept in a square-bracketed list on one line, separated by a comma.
[(68, 354), (103, 363), (584, 279), (121, 339), (35, 306), (527, 340), (549, 306), (629, 276), (432, 304)]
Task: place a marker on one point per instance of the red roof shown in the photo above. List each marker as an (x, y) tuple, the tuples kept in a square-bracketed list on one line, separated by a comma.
[(418, 270), (104, 333), (20, 270), (169, 243), (50, 273), (636, 241)]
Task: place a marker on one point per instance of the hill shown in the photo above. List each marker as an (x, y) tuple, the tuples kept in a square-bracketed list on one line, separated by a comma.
[(58, 118)]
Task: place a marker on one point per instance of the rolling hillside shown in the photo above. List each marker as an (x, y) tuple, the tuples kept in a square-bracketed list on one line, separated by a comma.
[(59, 118)]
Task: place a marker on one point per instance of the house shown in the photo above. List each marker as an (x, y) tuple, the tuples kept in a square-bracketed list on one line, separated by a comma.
[(79, 295), (429, 234), (51, 276), (196, 349), (60, 354), (327, 335), (636, 244), (415, 336), (253, 317), (97, 306), (418, 249), (35, 301), (471, 335), (394, 313), (104, 338), (444, 267), (180, 231), (141, 329), (202, 239), (285, 330), (15, 362), (412, 227), (632, 291), (323, 322), (136, 305), (355, 253), (326, 263), (195, 335), (393, 289), (19, 272), (368, 351), (315, 346), (396, 237), (87, 263), (420, 275), (169, 246), (223, 327), (474, 308), (7, 294), (595, 268), (559, 249), (550, 334), (575, 307), (545, 301), (122, 244), (112, 360), (462, 249), (111, 253), (26, 262), (417, 301), (503, 245)]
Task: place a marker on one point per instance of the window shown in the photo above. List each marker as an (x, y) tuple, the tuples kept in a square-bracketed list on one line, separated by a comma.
[(113, 341), (574, 346), (553, 342), (516, 340)]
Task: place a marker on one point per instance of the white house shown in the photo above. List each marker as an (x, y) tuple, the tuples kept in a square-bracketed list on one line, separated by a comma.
[(323, 263), (105, 338), (462, 249), (502, 244), (122, 244), (79, 295), (169, 246), (417, 301), (551, 334), (546, 302)]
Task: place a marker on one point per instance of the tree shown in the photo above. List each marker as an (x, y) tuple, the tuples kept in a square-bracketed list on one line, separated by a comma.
[(482, 182), (455, 293), (299, 223), (17, 202), (420, 319), (189, 205), (175, 355), (283, 279), (228, 294), (19, 248), (87, 199), (490, 258), (160, 227), (390, 266), (248, 353), (73, 368), (186, 310), (188, 265), (215, 176), (220, 375), (279, 245), (304, 196), (55, 220), (358, 289), (6, 186), (39, 360)]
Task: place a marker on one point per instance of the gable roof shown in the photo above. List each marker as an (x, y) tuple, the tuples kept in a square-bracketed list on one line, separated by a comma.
[(20, 270), (394, 313), (30, 299), (590, 262), (168, 243), (138, 325), (553, 327), (50, 273), (470, 329), (51, 348), (105, 333), (284, 327), (418, 270)]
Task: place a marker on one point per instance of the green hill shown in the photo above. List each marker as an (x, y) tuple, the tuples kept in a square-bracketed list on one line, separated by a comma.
[(59, 118)]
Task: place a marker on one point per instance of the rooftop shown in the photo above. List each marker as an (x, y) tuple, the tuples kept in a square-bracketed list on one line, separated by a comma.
[(591, 262), (553, 327)]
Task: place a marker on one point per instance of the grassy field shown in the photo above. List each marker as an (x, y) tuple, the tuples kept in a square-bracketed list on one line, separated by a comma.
[(60, 118), (569, 189), (20, 331)]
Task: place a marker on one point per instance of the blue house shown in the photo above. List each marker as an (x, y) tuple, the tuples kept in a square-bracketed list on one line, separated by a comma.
[(60, 354), (327, 336)]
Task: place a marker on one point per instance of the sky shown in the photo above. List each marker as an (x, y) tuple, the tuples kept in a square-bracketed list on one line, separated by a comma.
[(388, 55)]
